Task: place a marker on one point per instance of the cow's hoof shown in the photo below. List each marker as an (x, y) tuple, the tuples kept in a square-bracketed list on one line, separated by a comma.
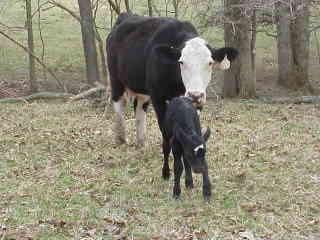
[(120, 141), (189, 184), (140, 144), (165, 174), (176, 197)]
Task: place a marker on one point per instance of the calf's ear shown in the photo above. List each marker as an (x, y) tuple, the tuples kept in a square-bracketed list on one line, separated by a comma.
[(168, 54), (206, 134), (220, 53)]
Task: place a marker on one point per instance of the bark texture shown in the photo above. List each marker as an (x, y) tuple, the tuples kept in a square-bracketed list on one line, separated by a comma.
[(88, 38)]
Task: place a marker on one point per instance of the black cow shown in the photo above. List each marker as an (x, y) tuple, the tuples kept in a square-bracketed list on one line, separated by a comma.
[(182, 129), (158, 58)]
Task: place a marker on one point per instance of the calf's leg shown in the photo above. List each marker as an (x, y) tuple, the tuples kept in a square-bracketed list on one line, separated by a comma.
[(206, 188), (178, 169), (188, 177)]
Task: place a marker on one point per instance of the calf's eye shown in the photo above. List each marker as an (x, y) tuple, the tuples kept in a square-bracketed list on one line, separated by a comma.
[(180, 62)]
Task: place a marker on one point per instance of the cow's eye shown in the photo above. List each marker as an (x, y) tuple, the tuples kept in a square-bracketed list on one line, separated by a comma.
[(210, 64), (180, 62)]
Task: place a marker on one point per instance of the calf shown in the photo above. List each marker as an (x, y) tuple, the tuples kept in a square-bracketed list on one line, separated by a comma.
[(182, 129)]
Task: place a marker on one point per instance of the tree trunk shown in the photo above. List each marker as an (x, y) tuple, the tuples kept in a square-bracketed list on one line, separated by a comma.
[(284, 45), (126, 2), (231, 76), (32, 68), (150, 8), (240, 79), (175, 4), (300, 42), (293, 44), (247, 79), (88, 38)]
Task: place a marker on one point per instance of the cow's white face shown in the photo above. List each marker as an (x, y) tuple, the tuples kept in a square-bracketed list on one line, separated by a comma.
[(196, 68)]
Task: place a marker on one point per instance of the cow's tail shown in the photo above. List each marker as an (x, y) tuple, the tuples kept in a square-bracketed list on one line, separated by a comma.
[(122, 17)]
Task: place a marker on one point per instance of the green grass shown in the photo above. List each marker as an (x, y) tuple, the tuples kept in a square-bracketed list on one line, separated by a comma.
[(63, 177)]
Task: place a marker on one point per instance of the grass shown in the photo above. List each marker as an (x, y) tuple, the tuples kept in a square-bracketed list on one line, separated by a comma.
[(62, 176)]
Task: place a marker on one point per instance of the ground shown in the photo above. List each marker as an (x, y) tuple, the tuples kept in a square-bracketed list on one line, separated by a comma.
[(63, 177)]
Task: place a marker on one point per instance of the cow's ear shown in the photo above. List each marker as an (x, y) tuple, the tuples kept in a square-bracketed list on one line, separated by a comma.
[(168, 54), (220, 53), (206, 134)]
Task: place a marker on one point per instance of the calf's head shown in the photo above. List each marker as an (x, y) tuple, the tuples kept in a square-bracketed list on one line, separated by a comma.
[(196, 60), (194, 148)]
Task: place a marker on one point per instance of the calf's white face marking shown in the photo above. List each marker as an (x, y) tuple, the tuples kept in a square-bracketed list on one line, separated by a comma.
[(199, 147), (196, 66)]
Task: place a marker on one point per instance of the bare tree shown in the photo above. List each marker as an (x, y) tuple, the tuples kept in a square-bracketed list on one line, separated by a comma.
[(32, 67), (150, 12), (88, 38), (284, 44), (300, 40), (240, 79), (176, 5), (293, 43)]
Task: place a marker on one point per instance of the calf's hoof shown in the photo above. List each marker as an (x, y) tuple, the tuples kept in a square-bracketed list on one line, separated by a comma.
[(206, 195), (189, 184), (176, 192)]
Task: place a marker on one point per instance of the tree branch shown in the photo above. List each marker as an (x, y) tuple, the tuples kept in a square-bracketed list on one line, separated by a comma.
[(72, 13), (114, 7), (36, 58)]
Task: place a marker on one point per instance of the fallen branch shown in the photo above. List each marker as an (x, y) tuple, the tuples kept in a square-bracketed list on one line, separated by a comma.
[(38, 96), (293, 100), (92, 91)]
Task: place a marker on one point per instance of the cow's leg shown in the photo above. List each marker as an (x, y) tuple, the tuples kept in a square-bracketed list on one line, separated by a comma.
[(160, 109), (188, 177), (119, 125), (206, 188), (141, 105), (178, 169)]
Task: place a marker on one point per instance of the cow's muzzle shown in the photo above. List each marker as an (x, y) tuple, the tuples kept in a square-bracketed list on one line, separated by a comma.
[(198, 99)]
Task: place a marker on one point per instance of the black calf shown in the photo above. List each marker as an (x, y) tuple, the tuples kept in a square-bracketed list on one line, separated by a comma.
[(182, 129)]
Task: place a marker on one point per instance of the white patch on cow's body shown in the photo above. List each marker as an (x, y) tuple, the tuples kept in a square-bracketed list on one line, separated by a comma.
[(140, 115), (199, 147), (141, 119), (225, 63), (195, 65)]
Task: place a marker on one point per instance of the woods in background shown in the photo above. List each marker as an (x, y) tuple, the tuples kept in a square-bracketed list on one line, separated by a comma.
[(291, 22)]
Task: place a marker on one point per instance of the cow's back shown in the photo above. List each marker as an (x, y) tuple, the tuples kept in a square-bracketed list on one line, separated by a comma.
[(126, 50)]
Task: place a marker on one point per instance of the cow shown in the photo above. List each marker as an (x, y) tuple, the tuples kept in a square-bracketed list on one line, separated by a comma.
[(182, 130), (154, 59)]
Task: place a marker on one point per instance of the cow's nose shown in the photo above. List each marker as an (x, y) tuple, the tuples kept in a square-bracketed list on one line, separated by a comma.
[(197, 97)]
